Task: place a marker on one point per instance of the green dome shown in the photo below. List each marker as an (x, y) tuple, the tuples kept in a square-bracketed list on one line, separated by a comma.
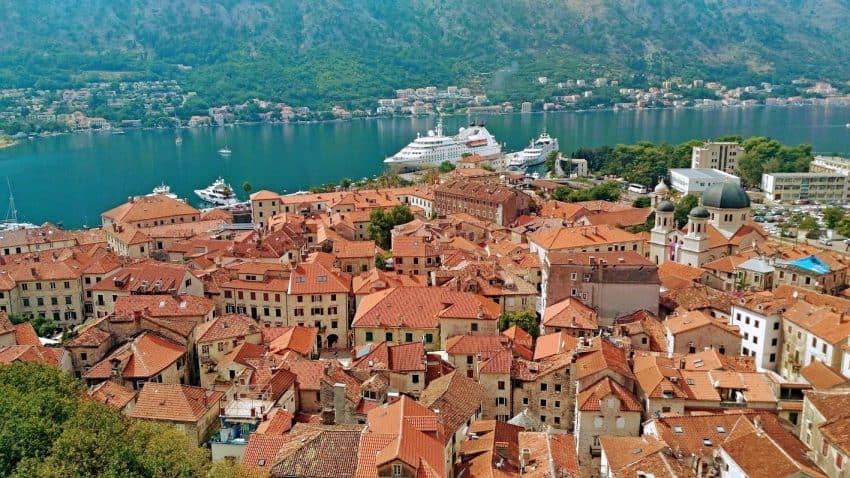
[(725, 196), (665, 206), (699, 212)]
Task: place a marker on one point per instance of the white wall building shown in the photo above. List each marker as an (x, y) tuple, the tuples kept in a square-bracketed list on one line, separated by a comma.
[(695, 181), (792, 187), (711, 155), (761, 332)]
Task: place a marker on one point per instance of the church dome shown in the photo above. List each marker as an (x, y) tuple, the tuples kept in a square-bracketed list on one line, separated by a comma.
[(661, 188), (725, 196), (699, 212), (665, 206)]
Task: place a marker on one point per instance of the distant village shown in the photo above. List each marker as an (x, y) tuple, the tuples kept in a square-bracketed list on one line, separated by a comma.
[(469, 326), (115, 105)]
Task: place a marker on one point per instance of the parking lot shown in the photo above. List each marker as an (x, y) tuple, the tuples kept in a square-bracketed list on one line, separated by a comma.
[(782, 222)]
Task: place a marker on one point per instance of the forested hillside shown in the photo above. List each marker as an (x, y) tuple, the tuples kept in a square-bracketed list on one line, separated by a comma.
[(323, 51)]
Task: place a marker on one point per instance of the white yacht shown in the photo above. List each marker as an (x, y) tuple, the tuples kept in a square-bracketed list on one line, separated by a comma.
[(225, 151), (434, 148), (219, 193), (163, 190), (536, 153)]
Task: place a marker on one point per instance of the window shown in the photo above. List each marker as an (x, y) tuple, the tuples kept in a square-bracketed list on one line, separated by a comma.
[(773, 357), (501, 401), (501, 385), (557, 404), (776, 326), (557, 388), (543, 403), (473, 327), (620, 422), (397, 470), (469, 359), (388, 336), (543, 387), (414, 378), (429, 338), (369, 337), (525, 400), (67, 285), (573, 276)]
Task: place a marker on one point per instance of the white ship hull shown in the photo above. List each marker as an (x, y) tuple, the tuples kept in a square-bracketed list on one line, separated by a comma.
[(434, 149), (219, 193), (535, 154)]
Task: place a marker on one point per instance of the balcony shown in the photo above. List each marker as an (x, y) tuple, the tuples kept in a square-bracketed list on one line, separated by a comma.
[(595, 451)]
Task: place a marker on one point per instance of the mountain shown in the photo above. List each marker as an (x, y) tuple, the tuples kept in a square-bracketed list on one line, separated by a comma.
[(324, 51)]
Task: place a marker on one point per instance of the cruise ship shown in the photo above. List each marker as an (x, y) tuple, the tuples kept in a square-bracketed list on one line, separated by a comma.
[(434, 148), (536, 153), (219, 193)]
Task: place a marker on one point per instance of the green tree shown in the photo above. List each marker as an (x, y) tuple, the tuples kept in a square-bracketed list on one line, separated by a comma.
[(523, 319), (381, 261), (246, 186), (165, 451), (345, 183), (43, 326), (642, 201), (683, 208), (808, 223), (446, 167), (843, 226), (382, 222), (231, 469), (832, 216)]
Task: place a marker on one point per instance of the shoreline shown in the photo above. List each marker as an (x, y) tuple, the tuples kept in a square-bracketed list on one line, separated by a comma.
[(7, 142), (376, 117)]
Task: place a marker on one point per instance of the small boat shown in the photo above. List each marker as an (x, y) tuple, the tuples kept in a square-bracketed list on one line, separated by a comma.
[(11, 222), (118, 131), (219, 193), (178, 140), (847, 125), (163, 190), (225, 151)]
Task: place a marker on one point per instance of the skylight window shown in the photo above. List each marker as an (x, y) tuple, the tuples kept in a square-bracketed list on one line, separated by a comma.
[(720, 429), (706, 442), (323, 278), (677, 430)]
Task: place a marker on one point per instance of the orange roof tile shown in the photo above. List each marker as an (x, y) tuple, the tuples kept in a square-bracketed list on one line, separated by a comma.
[(570, 313), (581, 236), (317, 278), (421, 307), (299, 339), (590, 399), (163, 306), (112, 394), (145, 356), (554, 344), (146, 208), (25, 335), (226, 327), (174, 402), (400, 358)]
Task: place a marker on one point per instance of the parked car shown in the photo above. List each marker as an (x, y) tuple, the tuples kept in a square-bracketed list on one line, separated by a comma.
[(825, 241)]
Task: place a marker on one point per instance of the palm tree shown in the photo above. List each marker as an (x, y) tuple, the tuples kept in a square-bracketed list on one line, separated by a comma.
[(246, 186)]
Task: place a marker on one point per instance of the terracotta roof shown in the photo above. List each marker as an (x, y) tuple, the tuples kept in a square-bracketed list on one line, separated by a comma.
[(771, 460), (355, 249), (624, 451), (553, 344), (696, 296), (403, 430), (832, 404), (90, 337), (376, 279), (547, 451), (262, 449), (485, 345), (456, 397), (395, 358), (659, 465), (145, 356), (499, 363), (415, 246), (317, 278), (112, 394), (822, 376), (242, 354), (421, 307), (278, 422), (164, 305), (570, 313), (696, 319), (337, 445), (582, 236), (493, 452), (270, 285), (309, 373), (174, 402), (590, 399), (604, 356), (31, 354), (299, 339), (675, 276), (226, 327), (146, 277), (519, 336), (146, 208), (25, 335)]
